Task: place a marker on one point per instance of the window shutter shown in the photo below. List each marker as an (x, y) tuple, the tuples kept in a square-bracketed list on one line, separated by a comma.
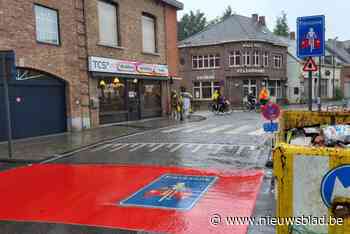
[(107, 15), (149, 37)]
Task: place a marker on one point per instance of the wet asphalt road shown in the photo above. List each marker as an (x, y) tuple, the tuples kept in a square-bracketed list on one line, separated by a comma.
[(226, 142)]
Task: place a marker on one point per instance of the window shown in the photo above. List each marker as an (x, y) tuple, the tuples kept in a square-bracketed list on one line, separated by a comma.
[(275, 88), (296, 90), (206, 61), (324, 88), (246, 58), (46, 21), (277, 59), (107, 22), (256, 59), (249, 86), (235, 59), (266, 59), (204, 90), (149, 34)]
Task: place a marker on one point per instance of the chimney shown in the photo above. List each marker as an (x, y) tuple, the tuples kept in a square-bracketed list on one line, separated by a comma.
[(262, 21), (292, 36), (255, 17)]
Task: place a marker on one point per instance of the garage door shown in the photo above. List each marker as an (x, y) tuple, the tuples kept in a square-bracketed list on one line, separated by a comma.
[(37, 104)]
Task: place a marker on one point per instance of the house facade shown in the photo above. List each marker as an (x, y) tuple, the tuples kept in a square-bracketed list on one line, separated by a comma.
[(82, 64), (330, 70), (237, 56)]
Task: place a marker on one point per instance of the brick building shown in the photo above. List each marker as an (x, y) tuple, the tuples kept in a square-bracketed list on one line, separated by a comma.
[(237, 55), (81, 63)]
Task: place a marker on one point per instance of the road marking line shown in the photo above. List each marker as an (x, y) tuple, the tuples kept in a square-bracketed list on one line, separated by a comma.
[(189, 146), (240, 149), (258, 132), (238, 130), (218, 129), (170, 145), (151, 145), (138, 147), (176, 148), (177, 129), (197, 148), (119, 148), (218, 149), (198, 128), (101, 147), (156, 148)]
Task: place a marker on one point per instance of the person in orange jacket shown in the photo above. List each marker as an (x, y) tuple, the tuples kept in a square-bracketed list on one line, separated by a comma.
[(264, 96)]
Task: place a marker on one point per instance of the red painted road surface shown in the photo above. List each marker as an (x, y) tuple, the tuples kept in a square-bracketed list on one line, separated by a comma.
[(90, 195)]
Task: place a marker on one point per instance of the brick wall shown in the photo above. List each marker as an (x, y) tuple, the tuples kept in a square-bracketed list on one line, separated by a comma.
[(17, 32), (171, 40)]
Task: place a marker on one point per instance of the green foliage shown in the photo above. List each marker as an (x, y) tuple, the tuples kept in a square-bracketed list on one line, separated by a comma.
[(338, 94), (191, 24), (281, 28), (225, 15)]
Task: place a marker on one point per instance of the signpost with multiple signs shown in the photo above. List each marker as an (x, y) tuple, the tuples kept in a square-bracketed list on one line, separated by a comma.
[(310, 43)]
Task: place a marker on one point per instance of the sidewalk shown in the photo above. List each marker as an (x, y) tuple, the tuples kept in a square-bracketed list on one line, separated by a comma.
[(42, 148)]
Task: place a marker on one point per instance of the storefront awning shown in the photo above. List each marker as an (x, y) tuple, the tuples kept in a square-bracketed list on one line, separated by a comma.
[(112, 75)]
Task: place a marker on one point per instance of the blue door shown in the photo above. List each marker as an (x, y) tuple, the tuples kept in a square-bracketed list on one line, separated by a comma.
[(38, 106)]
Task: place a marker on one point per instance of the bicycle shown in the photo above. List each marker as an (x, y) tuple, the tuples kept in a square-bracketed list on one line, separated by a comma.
[(215, 108)]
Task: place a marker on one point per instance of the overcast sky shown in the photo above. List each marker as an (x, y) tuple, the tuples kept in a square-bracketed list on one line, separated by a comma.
[(337, 12)]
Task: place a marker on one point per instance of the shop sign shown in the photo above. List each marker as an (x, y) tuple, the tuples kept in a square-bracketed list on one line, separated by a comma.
[(98, 64), (251, 70), (252, 45), (206, 77)]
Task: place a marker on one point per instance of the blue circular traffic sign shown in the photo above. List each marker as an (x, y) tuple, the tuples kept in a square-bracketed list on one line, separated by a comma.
[(336, 183)]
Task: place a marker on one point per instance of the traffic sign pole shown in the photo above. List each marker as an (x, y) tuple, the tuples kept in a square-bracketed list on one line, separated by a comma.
[(310, 90)]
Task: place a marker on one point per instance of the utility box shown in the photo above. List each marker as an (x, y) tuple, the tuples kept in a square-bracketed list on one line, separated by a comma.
[(312, 182)]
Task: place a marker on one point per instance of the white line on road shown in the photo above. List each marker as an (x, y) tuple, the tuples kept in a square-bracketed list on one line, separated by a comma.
[(119, 148), (218, 129), (240, 149), (238, 130), (101, 147), (138, 147), (198, 128), (177, 129), (258, 132), (197, 148), (156, 148), (176, 148), (218, 149)]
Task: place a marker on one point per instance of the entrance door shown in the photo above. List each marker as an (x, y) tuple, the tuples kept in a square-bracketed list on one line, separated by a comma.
[(133, 100)]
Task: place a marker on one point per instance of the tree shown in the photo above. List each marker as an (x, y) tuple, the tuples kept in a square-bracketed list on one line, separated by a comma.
[(227, 13), (191, 24), (281, 28)]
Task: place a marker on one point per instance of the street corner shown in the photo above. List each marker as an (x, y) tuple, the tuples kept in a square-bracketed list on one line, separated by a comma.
[(148, 198)]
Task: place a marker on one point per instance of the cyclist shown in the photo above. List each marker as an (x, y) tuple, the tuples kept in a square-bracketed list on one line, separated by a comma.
[(216, 99)]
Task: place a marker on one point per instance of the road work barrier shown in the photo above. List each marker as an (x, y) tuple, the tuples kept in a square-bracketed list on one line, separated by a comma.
[(312, 182)]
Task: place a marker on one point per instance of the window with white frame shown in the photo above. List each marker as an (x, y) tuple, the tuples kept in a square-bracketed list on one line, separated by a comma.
[(266, 59), (256, 59), (277, 60), (46, 21), (235, 59), (203, 90), (206, 61), (107, 22), (275, 88), (149, 33), (249, 86), (246, 58)]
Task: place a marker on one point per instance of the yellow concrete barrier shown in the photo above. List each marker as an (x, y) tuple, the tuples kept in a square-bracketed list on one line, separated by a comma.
[(299, 173)]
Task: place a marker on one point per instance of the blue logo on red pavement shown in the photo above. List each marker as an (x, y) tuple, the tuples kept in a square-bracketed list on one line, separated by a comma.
[(171, 191)]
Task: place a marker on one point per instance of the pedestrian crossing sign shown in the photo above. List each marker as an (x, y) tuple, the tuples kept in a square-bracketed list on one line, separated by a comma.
[(171, 191)]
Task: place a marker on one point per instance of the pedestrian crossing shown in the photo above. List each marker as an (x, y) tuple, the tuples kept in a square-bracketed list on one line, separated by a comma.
[(227, 129), (173, 148)]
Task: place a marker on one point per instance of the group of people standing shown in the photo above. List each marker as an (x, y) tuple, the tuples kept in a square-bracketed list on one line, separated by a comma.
[(180, 105)]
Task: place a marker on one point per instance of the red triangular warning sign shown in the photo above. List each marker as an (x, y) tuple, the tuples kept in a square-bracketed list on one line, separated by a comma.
[(310, 65)]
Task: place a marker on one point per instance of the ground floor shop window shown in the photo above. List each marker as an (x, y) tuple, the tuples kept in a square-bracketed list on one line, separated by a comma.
[(249, 86), (275, 88), (204, 90), (112, 95)]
